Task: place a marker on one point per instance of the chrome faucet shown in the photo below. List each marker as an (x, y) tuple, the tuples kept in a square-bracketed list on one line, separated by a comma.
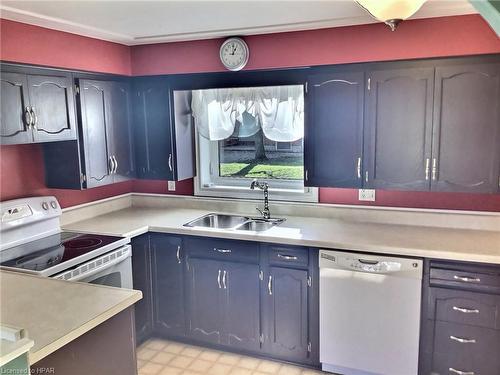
[(266, 213)]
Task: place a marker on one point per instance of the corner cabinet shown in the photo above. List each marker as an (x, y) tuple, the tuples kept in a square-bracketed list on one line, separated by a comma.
[(164, 131), (466, 138), (36, 108)]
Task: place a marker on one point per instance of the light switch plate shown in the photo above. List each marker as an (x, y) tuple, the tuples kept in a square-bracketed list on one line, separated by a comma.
[(366, 195), (171, 185)]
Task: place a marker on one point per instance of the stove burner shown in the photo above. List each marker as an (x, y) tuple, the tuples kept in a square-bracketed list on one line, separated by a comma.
[(83, 243)]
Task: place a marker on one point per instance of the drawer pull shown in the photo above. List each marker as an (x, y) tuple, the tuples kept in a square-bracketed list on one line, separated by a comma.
[(224, 251), (178, 255), (454, 371), (466, 311), (462, 340), (467, 279), (287, 257), (218, 280)]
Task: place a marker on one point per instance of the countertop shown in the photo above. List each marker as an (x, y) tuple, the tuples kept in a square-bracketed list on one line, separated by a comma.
[(55, 312), (333, 233)]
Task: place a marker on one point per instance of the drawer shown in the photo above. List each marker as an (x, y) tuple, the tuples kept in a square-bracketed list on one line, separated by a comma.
[(288, 255), (465, 348), (471, 278), (475, 309), (222, 249)]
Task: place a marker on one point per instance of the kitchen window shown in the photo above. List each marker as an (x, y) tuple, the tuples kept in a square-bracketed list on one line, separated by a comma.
[(248, 133)]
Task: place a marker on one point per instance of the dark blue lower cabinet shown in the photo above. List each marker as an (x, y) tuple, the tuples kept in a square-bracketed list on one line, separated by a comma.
[(168, 284), (205, 309), (285, 314)]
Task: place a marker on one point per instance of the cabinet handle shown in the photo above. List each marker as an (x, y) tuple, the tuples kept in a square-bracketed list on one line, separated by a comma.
[(111, 165), (28, 118), (358, 168), (467, 279), (454, 371), (462, 340), (222, 250), (116, 163), (224, 279), (34, 117), (434, 169), (287, 257), (170, 162), (427, 168), (218, 280), (466, 311), (179, 254), (270, 285)]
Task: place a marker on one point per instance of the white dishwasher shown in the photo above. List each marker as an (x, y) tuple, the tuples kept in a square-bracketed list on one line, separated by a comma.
[(369, 313)]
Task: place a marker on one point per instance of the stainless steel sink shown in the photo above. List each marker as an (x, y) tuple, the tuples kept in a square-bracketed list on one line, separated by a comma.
[(218, 221), (234, 222)]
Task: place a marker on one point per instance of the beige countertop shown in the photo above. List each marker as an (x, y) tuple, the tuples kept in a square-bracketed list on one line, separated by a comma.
[(334, 233), (55, 312)]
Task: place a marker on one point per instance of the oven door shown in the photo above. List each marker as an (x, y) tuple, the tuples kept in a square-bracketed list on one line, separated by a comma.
[(111, 269)]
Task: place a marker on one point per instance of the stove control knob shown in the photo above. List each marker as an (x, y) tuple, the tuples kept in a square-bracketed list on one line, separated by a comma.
[(53, 204), (45, 206)]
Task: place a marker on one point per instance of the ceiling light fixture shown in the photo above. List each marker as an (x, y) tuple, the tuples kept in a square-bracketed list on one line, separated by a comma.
[(391, 12)]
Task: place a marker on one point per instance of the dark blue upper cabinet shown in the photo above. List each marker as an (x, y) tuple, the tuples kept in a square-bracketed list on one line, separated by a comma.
[(334, 129), (36, 107), (398, 129), (466, 136), (164, 133)]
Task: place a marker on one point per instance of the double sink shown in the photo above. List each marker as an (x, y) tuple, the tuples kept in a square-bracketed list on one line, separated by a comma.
[(234, 222)]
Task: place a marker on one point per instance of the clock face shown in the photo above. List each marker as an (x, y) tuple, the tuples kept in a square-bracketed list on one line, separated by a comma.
[(234, 54)]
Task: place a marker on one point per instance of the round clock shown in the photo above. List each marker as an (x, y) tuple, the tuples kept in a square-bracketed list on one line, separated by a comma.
[(234, 54)]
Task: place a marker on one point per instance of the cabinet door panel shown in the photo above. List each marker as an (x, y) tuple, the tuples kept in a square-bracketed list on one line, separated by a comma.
[(286, 309), (53, 107), (121, 140), (94, 98), (153, 139), (168, 263), (14, 127), (142, 276), (334, 131), (399, 129), (205, 301), (466, 140), (241, 305)]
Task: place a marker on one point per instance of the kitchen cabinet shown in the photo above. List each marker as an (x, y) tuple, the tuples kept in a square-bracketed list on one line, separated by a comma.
[(104, 152), (460, 319), (36, 107), (142, 280), (333, 141), (289, 305), (398, 129), (168, 259), (466, 135), (164, 131), (223, 293), (106, 132)]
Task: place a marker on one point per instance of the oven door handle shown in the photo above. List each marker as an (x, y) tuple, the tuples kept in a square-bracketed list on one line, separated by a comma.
[(126, 253)]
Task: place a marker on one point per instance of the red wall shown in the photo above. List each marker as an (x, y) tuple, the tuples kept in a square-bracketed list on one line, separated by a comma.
[(21, 171)]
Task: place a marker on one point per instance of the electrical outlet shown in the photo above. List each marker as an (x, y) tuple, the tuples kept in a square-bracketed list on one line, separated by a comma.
[(366, 195), (171, 185)]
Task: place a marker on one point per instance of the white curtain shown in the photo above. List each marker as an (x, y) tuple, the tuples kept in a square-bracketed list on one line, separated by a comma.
[(278, 110)]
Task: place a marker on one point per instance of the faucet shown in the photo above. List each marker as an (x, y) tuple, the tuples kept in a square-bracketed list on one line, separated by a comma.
[(266, 213)]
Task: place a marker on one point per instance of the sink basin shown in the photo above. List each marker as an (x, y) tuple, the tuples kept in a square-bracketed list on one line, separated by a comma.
[(234, 222), (218, 221)]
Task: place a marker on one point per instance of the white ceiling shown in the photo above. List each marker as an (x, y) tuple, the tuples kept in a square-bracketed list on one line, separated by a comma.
[(143, 22)]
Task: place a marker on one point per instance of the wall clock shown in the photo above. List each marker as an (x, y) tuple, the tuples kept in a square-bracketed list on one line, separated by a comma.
[(234, 54)]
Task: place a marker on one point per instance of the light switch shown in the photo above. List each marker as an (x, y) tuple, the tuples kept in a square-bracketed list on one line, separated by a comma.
[(171, 185), (366, 195)]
